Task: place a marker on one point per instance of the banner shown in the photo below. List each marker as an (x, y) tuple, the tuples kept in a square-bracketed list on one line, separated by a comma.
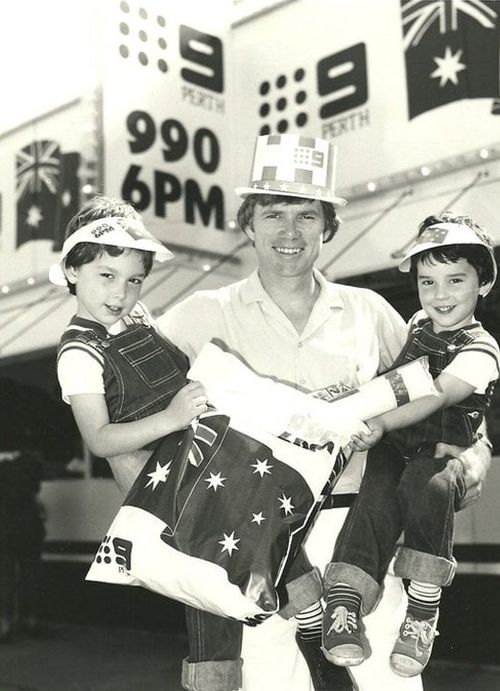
[(166, 112), (396, 84), (220, 510)]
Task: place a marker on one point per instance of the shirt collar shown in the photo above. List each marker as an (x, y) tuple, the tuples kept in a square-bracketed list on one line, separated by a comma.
[(96, 327), (253, 290)]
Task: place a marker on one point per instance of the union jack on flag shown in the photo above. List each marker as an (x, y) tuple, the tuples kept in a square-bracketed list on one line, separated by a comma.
[(47, 190), (451, 51)]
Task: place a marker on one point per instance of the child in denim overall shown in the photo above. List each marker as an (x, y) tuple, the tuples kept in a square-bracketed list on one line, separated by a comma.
[(405, 488), (127, 388)]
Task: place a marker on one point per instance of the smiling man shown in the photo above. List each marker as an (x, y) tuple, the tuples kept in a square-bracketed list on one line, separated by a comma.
[(288, 322)]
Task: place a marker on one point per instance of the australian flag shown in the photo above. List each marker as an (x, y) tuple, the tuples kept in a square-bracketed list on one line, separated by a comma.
[(215, 518), (220, 510), (48, 191), (451, 51)]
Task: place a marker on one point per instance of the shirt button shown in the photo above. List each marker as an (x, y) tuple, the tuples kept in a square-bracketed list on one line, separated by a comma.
[(299, 345), (302, 381)]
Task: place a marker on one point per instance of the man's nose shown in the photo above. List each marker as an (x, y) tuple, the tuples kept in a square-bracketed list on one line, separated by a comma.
[(291, 227)]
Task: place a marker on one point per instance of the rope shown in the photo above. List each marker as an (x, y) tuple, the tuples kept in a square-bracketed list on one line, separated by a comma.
[(39, 317), (397, 254), (383, 214), (199, 279), (21, 309)]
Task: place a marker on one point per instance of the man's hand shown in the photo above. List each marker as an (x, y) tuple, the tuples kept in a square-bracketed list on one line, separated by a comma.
[(475, 460)]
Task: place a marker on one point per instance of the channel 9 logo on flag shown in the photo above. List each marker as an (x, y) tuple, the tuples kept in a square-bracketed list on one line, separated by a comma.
[(451, 51)]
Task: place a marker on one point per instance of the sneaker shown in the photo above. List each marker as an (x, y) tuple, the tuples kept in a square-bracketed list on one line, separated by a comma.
[(413, 648), (341, 642)]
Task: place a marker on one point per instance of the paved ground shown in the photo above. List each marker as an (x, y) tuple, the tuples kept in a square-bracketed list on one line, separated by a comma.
[(85, 658)]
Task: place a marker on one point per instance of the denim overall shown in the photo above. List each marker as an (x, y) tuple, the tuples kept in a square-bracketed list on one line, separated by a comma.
[(406, 489), (142, 370), (142, 373)]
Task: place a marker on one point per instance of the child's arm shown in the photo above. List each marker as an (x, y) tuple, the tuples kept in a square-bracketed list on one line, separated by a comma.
[(105, 438), (450, 389)]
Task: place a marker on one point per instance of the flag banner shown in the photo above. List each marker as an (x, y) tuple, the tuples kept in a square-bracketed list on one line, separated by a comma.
[(220, 509), (38, 168), (48, 191), (451, 51)]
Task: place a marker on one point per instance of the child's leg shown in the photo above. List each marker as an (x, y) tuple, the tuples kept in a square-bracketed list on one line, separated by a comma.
[(304, 588), (362, 554), (429, 493), (214, 662)]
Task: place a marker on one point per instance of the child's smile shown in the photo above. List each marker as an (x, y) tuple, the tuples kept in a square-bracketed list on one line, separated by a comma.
[(448, 292)]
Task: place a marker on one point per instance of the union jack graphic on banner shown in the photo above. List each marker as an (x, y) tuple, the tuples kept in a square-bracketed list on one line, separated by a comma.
[(451, 51), (47, 190)]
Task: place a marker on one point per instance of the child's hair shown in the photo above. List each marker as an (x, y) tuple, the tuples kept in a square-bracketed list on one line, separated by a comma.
[(246, 210), (85, 252), (478, 256)]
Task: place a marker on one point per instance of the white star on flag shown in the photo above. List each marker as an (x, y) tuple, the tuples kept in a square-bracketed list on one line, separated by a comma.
[(34, 216), (215, 481), (261, 467), (286, 504), (229, 543), (258, 518), (159, 475), (448, 67)]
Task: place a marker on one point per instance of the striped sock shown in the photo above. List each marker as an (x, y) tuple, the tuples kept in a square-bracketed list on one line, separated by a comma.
[(309, 622), (342, 594), (423, 599)]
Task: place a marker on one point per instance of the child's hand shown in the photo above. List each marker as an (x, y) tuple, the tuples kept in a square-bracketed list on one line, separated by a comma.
[(362, 441), (187, 404)]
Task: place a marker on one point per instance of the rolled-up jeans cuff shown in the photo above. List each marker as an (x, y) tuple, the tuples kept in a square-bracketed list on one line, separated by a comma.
[(212, 675), (424, 567), (366, 586), (302, 593)]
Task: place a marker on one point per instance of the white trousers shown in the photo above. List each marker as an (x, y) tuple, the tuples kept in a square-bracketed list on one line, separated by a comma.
[(272, 660)]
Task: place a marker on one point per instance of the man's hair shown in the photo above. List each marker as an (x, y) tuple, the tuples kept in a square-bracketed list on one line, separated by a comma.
[(478, 256), (246, 211), (85, 252)]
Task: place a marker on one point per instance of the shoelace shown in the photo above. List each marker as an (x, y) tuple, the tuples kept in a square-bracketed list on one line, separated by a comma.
[(343, 620), (422, 631)]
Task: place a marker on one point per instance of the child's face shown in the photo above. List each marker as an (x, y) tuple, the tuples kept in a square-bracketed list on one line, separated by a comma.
[(108, 287), (448, 292)]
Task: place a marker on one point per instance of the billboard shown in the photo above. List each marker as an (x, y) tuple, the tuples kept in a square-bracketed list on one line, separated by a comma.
[(395, 83), (166, 111)]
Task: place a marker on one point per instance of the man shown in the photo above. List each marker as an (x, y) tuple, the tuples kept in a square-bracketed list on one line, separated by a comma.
[(288, 322)]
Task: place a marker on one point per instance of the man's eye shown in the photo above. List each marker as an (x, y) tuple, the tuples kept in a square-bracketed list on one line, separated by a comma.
[(105, 275), (136, 281)]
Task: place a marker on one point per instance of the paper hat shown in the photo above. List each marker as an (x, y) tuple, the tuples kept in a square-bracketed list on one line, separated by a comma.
[(112, 230), (294, 166), (442, 234)]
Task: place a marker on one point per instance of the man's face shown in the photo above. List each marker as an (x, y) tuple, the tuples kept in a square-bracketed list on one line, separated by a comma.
[(287, 237)]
